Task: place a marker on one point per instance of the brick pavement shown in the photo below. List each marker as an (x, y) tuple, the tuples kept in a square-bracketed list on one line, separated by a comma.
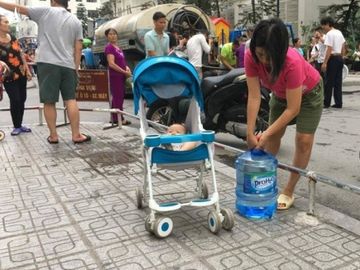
[(72, 206)]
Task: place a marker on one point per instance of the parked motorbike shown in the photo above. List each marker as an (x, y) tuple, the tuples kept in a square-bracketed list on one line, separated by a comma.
[(225, 101)]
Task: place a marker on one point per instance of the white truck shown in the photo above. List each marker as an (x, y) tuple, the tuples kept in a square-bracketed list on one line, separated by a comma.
[(131, 29)]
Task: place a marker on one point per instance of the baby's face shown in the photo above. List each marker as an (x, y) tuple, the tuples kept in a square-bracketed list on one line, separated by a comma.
[(176, 129)]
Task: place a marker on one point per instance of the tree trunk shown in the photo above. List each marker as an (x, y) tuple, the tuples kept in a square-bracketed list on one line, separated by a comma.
[(217, 8), (351, 8), (253, 11)]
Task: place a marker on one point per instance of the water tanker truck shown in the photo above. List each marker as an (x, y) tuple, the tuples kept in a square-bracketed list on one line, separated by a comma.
[(131, 29)]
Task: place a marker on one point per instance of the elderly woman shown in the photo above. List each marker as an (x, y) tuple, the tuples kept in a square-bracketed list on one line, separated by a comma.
[(16, 72), (118, 72)]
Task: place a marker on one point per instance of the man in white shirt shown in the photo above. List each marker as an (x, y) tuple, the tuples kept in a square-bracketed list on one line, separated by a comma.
[(196, 46), (333, 62)]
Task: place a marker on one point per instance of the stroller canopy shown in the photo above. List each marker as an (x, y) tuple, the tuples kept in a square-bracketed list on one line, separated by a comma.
[(165, 77)]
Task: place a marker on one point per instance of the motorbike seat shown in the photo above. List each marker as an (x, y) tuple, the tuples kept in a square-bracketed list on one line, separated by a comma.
[(208, 84)]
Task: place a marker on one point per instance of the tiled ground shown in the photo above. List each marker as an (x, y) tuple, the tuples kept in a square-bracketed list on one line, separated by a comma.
[(72, 206)]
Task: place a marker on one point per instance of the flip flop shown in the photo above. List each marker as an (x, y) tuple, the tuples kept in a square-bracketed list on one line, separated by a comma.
[(52, 142), (87, 139), (284, 202), (126, 123)]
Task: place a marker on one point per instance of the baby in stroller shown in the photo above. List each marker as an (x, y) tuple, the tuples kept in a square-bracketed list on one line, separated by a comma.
[(179, 129)]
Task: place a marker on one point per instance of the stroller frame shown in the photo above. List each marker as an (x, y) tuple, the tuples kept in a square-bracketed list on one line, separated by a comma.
[(156, 157)]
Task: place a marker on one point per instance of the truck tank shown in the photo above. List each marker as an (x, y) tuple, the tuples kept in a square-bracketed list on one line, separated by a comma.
[(131, 28)]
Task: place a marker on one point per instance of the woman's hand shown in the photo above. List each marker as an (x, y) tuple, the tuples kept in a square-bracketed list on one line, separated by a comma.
[(128, 72), (28, 75), (262, 140), (252, 141)]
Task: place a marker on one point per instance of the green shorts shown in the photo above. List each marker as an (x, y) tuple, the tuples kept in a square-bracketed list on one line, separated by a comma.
[(310, 113), (54, 79)]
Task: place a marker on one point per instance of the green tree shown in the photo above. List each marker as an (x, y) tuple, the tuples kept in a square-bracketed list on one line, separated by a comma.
[(204, 5), (106, 11), (210, 7), (81, 14), (259, 9)]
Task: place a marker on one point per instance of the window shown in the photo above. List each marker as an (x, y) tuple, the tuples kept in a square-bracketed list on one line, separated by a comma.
[(91, 1)]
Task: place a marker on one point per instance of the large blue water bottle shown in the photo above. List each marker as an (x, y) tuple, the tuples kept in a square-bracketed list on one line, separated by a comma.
[(256, 189)]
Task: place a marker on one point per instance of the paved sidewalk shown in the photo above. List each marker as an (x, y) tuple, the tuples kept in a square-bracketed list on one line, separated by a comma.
[(72, 206)]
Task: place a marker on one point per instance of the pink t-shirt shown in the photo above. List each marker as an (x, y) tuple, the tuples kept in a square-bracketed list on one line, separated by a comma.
[(295, 72)]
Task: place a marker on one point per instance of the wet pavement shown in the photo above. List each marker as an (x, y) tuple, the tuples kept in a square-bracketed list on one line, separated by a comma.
[(70, 206)]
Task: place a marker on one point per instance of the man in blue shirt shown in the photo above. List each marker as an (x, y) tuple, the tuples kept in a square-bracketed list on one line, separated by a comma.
[(156, 40)]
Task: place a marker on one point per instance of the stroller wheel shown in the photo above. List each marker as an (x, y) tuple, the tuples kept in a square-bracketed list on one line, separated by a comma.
[(214, 221), (228, 222), (163, 227), (2, 135), (139, 198), (148, 224), (204, 190)]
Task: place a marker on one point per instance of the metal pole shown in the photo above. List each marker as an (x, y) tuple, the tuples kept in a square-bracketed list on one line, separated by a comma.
[(312, 187), (40, 116), (278, 8)]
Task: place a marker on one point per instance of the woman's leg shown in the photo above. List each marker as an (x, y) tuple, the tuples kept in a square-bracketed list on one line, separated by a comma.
[(115, 96), (16, 108), (274, 143), (122, 97), (23, 95), (303, 147)]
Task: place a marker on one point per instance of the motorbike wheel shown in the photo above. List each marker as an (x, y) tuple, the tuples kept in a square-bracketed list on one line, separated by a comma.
[(160, 112)]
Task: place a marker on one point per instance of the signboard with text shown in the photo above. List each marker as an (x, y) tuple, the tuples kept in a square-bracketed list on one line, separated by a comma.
[(93, 85)]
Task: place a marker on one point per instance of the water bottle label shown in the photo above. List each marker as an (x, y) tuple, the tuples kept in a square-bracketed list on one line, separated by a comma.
[(259, 182)]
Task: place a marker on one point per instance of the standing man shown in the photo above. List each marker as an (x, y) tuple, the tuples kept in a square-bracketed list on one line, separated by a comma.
[(333, 62), (59, 53), (156, 40), (196, 46), (319, 50)]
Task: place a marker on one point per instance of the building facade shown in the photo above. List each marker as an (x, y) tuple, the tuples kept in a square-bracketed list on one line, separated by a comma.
[(300, 13)]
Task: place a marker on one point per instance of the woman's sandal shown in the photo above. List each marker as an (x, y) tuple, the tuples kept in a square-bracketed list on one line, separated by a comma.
[(51, 141), (125, 123), (87, 139), (284, 202)]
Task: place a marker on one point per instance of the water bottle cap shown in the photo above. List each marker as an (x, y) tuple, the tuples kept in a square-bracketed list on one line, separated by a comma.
[(258, 152)]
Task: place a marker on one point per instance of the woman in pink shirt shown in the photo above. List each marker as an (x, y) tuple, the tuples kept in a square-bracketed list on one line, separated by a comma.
[(297, 96)]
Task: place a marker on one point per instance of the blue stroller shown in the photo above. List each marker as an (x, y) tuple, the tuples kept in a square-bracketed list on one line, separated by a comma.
[(167, 77)]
